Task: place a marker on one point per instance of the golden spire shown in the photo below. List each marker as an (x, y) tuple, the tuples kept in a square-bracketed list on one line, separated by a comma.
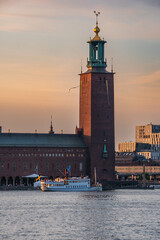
[(96, 29)]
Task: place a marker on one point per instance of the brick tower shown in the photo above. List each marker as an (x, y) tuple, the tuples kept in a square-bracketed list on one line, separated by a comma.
[(97, 111)]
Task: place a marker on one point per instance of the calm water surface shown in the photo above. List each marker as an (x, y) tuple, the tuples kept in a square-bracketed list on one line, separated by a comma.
[(120, 214)]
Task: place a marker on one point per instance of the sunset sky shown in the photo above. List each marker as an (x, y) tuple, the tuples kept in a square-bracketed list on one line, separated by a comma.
[(42, 43)]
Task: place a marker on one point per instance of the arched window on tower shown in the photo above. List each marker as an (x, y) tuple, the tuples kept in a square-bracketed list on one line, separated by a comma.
[(96, 52)]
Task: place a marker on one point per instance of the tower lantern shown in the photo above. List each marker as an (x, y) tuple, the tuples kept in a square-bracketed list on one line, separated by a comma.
[(96, 49)]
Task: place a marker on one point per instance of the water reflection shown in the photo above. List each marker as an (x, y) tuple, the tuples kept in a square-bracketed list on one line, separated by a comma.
[(120, 214)]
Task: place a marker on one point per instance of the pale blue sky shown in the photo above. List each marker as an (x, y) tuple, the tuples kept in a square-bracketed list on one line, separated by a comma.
[(42, 43)]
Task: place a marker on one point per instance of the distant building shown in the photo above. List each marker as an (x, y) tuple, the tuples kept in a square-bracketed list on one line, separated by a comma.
[(127, 147), (128, 162), (154, 155), (147, 142), (129, 166), (148, 134)]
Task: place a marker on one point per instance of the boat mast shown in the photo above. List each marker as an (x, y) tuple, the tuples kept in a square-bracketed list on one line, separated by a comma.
[(95, 176)]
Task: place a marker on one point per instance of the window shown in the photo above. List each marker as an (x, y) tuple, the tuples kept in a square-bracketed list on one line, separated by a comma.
[(47, 165), (2, 165), (57, 166), (36, 166), (80, 167), (13, 166), (25, 165)]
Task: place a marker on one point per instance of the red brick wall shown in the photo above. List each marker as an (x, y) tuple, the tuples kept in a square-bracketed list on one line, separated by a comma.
[(49, 160), (97, 121)]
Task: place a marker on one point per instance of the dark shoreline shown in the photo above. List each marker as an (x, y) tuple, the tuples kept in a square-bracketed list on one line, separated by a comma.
[(31, 188), (18, 188)]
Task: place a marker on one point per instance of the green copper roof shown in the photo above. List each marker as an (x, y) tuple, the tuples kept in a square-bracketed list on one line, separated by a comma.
[(40, 140)]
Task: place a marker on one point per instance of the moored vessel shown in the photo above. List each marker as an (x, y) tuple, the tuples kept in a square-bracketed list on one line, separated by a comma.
[(71, 184)]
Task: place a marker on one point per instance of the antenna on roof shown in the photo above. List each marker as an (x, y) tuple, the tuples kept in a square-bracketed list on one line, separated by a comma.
[(112, 64), (81, 65), (51, 127)]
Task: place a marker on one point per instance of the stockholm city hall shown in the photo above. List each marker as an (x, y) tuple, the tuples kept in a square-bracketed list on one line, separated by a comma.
[(92, 145)]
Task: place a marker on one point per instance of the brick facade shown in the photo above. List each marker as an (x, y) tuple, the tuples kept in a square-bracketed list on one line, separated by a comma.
[(16, 162), (97, 121)]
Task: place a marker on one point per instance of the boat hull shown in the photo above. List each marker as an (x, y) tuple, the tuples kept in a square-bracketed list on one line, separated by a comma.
[(91, 189)]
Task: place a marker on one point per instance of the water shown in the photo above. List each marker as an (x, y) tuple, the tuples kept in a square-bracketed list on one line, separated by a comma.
[(120, 214)]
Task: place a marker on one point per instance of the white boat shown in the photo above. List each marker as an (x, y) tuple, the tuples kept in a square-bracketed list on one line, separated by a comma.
[(155, 186), (71, 184), (37, 184)]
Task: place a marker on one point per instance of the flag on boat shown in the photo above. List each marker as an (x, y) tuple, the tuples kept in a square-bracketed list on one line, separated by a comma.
[(38, 178), (68, 169)]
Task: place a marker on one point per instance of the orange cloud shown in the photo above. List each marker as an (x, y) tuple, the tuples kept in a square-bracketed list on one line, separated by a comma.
[(151, 80)]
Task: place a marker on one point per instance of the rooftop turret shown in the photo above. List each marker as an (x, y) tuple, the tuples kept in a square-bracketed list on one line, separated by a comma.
[(96, 49)]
